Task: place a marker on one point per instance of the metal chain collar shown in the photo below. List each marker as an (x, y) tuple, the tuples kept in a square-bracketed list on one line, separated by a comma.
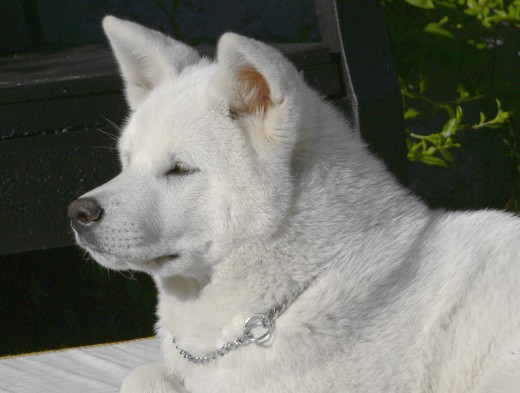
[(262, 322)]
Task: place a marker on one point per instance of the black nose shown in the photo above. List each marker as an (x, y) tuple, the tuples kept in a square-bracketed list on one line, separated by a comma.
[(84, 211)]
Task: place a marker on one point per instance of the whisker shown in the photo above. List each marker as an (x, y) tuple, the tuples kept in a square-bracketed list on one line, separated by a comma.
[(113, 124), (128, 274), (104, 147), (107, 134)]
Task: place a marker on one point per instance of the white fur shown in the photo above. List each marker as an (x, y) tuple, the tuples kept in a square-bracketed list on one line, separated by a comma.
[(405, 299)]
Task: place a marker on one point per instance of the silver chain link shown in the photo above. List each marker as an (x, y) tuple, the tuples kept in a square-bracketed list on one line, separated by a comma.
[(262, 322)]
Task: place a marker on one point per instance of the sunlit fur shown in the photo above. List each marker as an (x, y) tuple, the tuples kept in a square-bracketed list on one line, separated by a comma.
[(282, 190)]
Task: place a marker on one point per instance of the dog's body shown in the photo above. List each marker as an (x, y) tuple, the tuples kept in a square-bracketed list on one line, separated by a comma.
[(240, 187)]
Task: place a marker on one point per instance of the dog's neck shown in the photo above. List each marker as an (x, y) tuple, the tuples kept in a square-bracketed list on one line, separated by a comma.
[(257, 329), (257, 275)]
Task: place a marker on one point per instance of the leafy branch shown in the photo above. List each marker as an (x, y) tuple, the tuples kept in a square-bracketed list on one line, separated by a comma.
[(434, 149), (488, 12), (470, 46)]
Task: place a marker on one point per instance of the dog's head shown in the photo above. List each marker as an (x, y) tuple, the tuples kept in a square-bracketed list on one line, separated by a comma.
[(205, 154)]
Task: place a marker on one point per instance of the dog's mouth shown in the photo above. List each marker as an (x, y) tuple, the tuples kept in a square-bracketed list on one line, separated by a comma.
[(164, 258), (156, 262), (160, 261), (148, 265)]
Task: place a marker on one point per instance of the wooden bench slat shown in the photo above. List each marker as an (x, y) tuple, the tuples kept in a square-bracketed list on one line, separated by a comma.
[(92, 70), (81, 86), (34, 117)]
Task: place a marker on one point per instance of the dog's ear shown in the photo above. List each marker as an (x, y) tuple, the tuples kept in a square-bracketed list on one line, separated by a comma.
[(146, 57), (257, 80)]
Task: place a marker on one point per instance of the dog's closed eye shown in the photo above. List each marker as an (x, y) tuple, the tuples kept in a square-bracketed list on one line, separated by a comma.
[(178, 169)]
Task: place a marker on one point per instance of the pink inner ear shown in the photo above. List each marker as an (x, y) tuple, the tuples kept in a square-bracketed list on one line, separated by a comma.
[(254, 92)]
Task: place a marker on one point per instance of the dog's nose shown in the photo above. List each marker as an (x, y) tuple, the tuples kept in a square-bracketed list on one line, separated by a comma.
[(84, 211)]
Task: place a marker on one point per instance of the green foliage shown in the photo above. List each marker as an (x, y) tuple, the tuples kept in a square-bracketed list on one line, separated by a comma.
[(457, 61), (421, 3)]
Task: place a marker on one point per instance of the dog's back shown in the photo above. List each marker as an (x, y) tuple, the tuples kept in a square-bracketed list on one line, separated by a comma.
[(470, 287)]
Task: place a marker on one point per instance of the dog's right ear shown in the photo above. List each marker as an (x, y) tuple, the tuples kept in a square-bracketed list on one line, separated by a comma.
[(146, 57)]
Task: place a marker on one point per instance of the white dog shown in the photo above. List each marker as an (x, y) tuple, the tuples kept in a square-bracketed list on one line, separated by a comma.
[(249, 198)]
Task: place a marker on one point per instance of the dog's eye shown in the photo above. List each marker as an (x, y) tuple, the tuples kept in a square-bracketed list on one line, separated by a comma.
[(178, 169)]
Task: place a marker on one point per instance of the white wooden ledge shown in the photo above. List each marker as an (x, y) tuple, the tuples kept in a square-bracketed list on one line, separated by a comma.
[(99, 368)]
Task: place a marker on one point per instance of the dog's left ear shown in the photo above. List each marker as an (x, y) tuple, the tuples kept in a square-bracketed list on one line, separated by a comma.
[(258, 81), (146, 57)]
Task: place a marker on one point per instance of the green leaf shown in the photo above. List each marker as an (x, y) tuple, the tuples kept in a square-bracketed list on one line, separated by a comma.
[(450, 127), (446, 155), (411, 113), (458, 114), (436, 161), (471, 12), (444, 20), (486, 22), (422, 83), (477, 44), (462, 92), (435, 28), (447, 4), (449, 110), (431, 150), (415, 148), (426, 4), (501, 116)]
